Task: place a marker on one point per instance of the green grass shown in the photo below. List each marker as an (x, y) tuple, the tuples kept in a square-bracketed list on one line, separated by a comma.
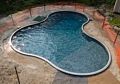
[(115, 21)]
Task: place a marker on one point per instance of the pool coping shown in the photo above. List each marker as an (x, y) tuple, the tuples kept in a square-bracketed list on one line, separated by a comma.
[(65, 71)]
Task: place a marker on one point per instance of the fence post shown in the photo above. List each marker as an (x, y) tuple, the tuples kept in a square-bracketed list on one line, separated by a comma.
[(116, 38), (17, 75), (75, 4), (44, 5), (13, 20), (30, 12), (103, 22)]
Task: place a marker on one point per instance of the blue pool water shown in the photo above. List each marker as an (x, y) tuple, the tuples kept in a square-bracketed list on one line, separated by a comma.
[(61, 41)]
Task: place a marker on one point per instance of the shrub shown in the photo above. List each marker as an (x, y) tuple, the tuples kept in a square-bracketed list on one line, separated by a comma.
[(16, 5)]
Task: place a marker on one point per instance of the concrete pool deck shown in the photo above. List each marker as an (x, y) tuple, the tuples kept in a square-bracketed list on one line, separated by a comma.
[(36, 71)]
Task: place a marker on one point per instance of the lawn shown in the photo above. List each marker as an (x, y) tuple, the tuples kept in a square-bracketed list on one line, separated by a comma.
[(115, 21)]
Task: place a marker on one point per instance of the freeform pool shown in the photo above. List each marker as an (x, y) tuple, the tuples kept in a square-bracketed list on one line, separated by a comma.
[(61, 41)]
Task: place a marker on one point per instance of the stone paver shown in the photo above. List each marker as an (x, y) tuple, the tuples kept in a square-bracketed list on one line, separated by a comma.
[(103, 78), (62, 78)]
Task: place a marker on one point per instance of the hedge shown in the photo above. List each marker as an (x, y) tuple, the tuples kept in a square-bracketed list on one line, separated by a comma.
[(10, 6)]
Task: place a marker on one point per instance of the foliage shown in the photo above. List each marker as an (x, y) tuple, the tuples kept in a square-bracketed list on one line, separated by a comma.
[(110, 2), (115, 21), (10, 6)]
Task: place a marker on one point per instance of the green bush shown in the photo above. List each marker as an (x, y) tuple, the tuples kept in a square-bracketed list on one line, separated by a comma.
[(110, 2), (16, 5), (3, 7), (115, 21)]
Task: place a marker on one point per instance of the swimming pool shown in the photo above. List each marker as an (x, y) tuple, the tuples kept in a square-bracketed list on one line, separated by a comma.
[(61, 41)]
